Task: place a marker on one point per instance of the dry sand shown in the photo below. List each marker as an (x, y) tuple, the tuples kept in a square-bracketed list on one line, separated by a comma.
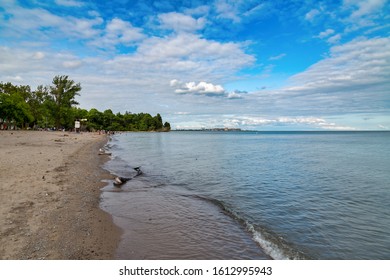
[(49, 197)]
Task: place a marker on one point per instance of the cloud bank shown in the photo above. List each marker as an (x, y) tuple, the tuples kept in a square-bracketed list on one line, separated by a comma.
[(220, 62)]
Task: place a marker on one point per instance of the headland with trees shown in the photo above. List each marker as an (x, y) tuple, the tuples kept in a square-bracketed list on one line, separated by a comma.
[(55, 107)]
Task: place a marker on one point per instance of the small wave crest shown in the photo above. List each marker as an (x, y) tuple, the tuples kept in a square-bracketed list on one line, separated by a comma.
[(274, 246)]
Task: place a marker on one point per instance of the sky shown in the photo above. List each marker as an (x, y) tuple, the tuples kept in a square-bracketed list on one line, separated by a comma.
[(254, 65)]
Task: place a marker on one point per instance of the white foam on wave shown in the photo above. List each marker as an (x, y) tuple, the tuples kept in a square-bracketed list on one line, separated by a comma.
[(270, 248)]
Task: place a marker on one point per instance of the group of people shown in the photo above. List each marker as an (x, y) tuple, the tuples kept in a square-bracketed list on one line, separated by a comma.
[(7, 125), (108, 132)]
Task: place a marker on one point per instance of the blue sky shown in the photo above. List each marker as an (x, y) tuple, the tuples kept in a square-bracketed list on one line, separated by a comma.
[(264, 65)]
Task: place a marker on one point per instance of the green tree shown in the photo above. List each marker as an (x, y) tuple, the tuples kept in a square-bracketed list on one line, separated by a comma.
[(108, 119), (95, 119), (129, 121), (158, 122), (38, 109), (13, 105), (167, 126), (146, 122), (79, 113), (63, 93)]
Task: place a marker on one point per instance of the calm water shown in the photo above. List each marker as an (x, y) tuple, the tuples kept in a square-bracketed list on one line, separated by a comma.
[(248, 195)]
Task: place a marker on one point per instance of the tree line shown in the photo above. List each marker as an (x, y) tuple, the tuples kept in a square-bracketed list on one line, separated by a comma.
[(55, 106)]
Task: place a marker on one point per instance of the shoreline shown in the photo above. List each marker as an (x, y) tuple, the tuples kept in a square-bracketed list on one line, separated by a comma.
[(50, 197)]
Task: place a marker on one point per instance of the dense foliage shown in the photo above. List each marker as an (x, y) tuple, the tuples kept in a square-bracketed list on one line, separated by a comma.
[(55, 107)]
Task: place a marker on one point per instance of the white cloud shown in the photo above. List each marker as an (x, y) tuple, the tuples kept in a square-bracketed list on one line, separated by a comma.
[(118, 31), (239, 10), (334, 39), (16, 78), (82, 28), (182, 113), (135, 81), (329, 35), (325, 33), (35, 67), (277, 57), (198, 11), (360, 62), (228, 10), (234, 95), (363, 13), (257, 122), (94, 14), (181, 22), (41, 24), (192, 57), (72, 64), (312, 122), (353, 79), (175, 83), (256, 10), (364, 7), (312, 14), (38, 55), (69, 3), (204, 88), (280, 120), (201, 88)]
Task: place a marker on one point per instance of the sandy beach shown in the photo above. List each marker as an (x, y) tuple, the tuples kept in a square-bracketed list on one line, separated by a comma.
[(49, 192)]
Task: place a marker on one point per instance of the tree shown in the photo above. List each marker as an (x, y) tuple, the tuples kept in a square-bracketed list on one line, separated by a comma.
[(108, 118), (167, 126), (79, 114), (36, 102), (95, 119), (158, 122), (63, 93), (13, 105)]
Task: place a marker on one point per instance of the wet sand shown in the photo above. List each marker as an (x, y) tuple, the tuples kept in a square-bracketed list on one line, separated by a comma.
[(49, 197)]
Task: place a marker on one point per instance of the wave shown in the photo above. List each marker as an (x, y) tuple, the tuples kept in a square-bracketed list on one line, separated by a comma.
[(273, 245)]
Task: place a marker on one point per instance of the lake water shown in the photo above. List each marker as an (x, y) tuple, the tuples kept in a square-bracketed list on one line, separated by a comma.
[(251, 195)]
